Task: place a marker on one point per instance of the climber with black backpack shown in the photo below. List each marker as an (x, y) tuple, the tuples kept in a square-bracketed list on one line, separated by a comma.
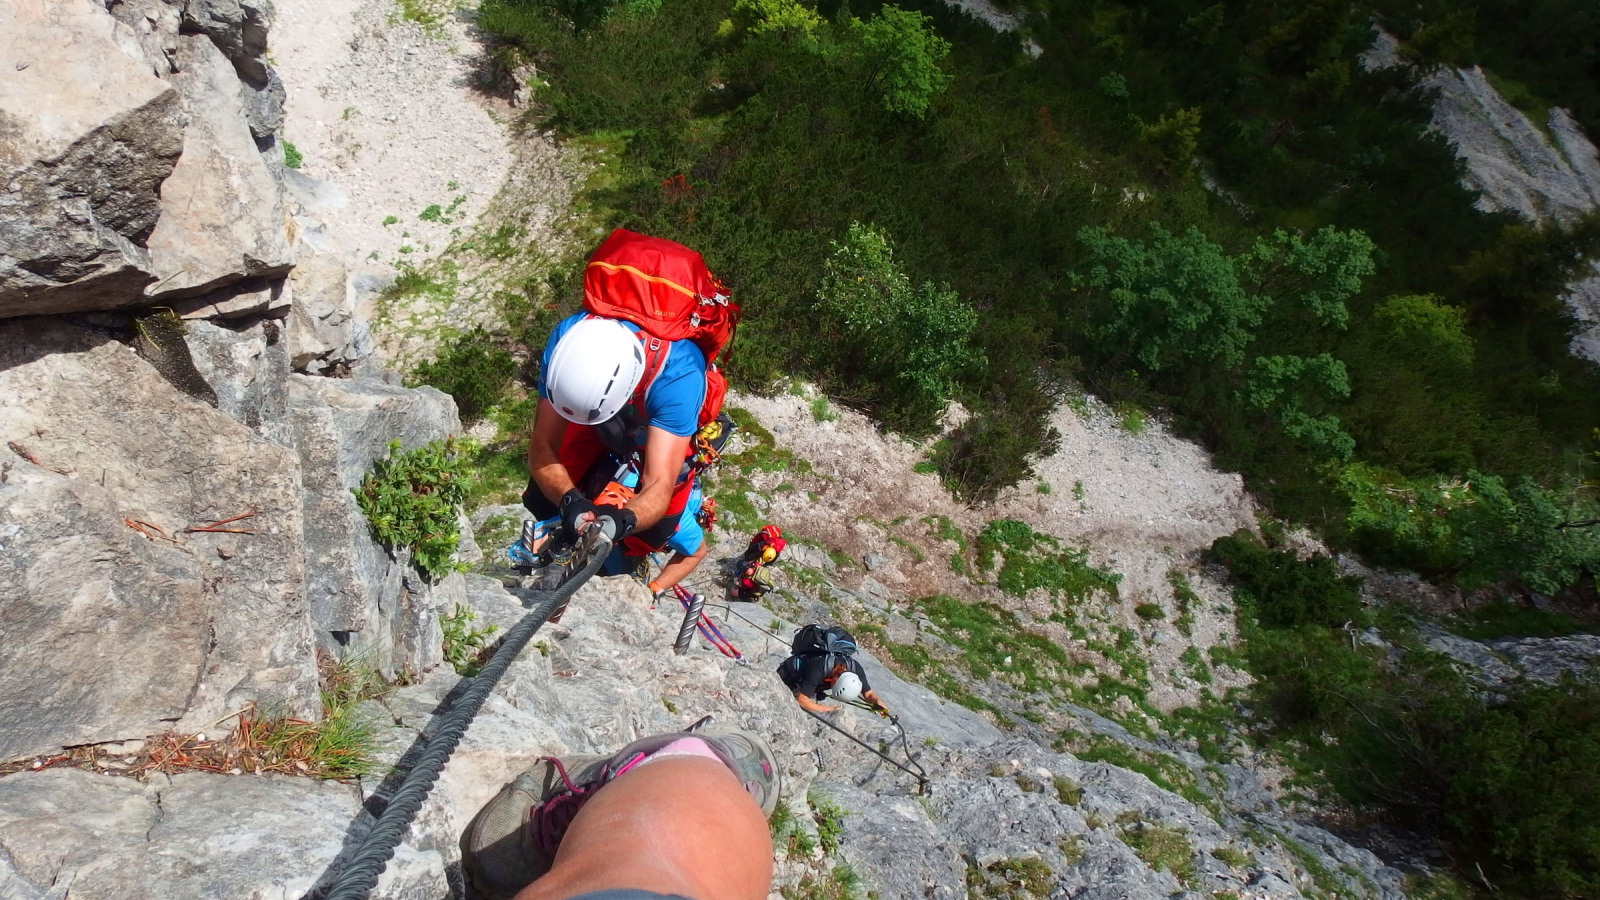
[(625, 386), (822, 664)]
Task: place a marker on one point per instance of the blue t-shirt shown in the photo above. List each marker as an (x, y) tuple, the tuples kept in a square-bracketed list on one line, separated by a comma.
[(673, 401), (689, 536)]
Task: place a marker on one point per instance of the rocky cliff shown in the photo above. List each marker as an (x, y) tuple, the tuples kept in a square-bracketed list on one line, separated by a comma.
[(188, 396), (1543, 169)]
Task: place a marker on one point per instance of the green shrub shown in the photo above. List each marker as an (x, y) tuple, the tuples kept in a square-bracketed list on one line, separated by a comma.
[(1030, 560), (291, 156), (471, 369), (463, 644), (1149, 611), (914, 338), (411, 499), (1478, 530), (1285, 591), (898, 52)]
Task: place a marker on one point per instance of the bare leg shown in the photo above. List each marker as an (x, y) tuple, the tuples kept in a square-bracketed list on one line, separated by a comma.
[(678, 568), (682, 825)]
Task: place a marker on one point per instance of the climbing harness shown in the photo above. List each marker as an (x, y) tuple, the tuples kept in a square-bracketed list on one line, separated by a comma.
[(361, 873), (910, 766), (708, 629)]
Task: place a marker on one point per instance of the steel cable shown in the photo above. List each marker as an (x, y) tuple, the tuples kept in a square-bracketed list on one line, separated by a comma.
[(361, 873)]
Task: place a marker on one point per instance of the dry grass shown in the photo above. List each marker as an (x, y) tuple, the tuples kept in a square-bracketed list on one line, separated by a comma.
[(337, 746)]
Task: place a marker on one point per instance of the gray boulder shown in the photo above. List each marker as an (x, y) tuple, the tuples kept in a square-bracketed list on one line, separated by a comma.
[(223, 219), (193, 835), (155, 25), (1550, 660), (358, 593), (104, 469), (263, 106), (239, 29), (240, 300), (90, 136), (249, 370), (326, 334)]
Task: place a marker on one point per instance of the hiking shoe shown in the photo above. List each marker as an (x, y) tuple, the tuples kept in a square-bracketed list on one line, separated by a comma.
[(520, 553), (513, 839)]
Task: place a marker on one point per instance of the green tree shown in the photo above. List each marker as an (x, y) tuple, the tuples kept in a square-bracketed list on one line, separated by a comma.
[(1426, 330), (1319, 274), (780, 17), (1170, 141), (1168, 300), (1289, 387), (898, 54), (912, 339)]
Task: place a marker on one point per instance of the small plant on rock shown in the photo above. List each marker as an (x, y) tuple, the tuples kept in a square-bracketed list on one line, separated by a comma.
[(410, 500), (464, 645)]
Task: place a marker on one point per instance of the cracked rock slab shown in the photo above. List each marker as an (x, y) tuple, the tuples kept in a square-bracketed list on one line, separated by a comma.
[(100, 451)]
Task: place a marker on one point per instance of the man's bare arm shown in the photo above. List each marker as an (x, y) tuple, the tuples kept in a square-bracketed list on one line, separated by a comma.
[(807, 703), (664, 453), (544, 449)]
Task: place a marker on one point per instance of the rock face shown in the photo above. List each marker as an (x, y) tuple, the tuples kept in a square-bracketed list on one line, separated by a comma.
[(129, 167), (87, 136), (1505, 661), (223, 218), (359, 598), (326, 335), (194, 835), (249, 371), (1543, 175), (102, 451)]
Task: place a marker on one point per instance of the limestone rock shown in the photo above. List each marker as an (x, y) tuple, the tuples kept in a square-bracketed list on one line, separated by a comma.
[(222, 212), (249, 370), (90, 135), (357, 592), (240, 300), (194, 835), (154, 24), (1516, 166), (325, 333), (101, 446), (1549, 660), (263, 106), (238, 28), (891, 841)]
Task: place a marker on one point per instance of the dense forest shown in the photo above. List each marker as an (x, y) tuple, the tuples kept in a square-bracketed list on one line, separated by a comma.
[(1208, 212), (1213, 213)]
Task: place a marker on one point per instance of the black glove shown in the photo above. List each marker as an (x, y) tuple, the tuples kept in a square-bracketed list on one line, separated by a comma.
[(573, 505), (625, 519)]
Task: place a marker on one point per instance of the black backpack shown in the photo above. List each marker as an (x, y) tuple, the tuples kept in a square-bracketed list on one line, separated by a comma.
[(815, 640)]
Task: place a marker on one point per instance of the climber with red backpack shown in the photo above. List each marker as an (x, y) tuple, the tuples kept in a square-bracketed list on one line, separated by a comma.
[(765, 545), (625, 386)]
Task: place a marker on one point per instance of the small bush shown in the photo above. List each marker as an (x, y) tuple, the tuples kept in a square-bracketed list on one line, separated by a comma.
[(1162, 848), (471, 369), (1068, 791), (411, 499), (291, 156), (1238, 859), (464, 645), (1031, 560), (1149, 611), (1286, 591)]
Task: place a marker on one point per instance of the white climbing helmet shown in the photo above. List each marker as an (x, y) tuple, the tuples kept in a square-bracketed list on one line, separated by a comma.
[(594, 370), (846, 688)]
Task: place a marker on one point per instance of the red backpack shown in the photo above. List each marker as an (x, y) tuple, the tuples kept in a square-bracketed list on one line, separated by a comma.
[(666, 289)]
